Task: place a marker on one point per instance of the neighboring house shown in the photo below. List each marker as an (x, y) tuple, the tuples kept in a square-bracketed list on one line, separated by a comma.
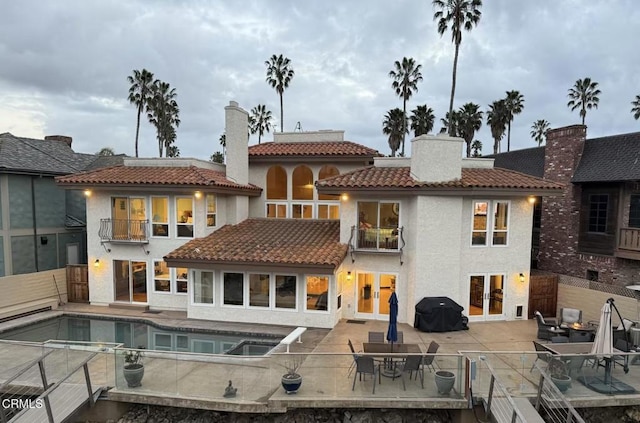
[(42, 226), (593, 230), (310, 229)]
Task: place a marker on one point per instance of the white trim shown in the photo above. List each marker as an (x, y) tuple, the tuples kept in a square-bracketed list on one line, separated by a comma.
[(206, 210), (375, 288), (153, 280), (244, 291), (270, 299), (489, 231), (152, 222), (276, 204), (328, 295), (177, 224), (486, 302), (196, 274)]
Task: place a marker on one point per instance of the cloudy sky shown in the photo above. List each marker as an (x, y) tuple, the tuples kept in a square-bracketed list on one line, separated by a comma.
[(64, 63)]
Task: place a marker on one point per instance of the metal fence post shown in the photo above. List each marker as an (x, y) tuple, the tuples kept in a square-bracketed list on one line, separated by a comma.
[(45, 386), (88, 379)]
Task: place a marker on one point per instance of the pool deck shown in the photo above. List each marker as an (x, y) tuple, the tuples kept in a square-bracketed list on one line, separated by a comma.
[(198, 381)]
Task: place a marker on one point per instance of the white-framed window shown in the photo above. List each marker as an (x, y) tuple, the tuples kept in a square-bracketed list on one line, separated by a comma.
[(276, 210), (182, 280), (211, 210), (286, 292), (302, 210), (163, 341), (233, 288), (328, 211), (184, 217), (161, 277), (378, 225), (203, 287), (259, 290), (317, 293), (160, 216), (490, 223), (339, 288)]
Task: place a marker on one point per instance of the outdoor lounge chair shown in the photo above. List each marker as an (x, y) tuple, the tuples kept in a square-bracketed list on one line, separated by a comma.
[(413, 363), (542, 354), (376, 337), (544, 325), (366, 366)]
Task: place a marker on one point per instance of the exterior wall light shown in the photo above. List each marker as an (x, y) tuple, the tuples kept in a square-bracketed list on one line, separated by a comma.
[(87, 193), (522, 277), (532, 199), (349, 275), (198, 194), (96, 263), (344, 197)]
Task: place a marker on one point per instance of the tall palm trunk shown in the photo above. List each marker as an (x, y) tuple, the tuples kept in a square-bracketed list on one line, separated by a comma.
[(509, 136), (584, 113), (404, 122), (281, 115), (138, 127), (453, 84)]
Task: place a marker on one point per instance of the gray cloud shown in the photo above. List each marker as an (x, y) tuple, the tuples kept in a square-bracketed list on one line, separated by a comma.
[(65, 63)]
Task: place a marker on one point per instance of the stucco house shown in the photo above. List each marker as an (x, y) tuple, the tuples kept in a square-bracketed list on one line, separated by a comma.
[(592, 231), (309, 229), (42, 226)]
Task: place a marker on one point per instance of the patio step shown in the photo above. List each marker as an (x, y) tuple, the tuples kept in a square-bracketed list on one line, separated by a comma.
[(127, 306), (502, 411)]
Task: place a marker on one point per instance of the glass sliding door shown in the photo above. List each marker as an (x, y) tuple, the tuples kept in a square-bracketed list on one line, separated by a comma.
[(374, 291), (130, 281), (486, 296)]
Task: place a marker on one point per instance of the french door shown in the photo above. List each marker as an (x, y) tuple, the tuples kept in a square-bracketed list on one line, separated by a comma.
[(130, 281), (486, 297), (374, 290)]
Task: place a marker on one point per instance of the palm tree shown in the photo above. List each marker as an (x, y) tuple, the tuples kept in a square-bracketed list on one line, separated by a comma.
[(456, 15), (515, 103), (106, 151), (539, 131), (140, 94), (217, 157), (173, 151), (497, 118), (163, 112), (395, 122), (422, 120), (406, 76), (584, 95), (260, 121), (476, 147), (636, 107), (469, 121), (279, 75), (451, 122)]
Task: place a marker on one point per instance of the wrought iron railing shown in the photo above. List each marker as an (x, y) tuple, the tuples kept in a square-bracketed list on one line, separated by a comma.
[(378, 238), (124, 230)]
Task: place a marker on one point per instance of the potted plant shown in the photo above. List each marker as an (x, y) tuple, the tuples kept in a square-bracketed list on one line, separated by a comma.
[(133, 368), (292, 380), (444, 381), (559, 374)]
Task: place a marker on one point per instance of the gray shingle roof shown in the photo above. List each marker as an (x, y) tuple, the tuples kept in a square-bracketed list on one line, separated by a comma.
[(529, 161), (39, 156), (608, 159)]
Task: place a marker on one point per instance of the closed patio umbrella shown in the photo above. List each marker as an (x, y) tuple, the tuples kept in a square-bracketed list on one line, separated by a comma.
[(392, 331), (603, 342)]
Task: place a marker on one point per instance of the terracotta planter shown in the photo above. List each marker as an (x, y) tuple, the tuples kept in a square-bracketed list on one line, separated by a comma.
[(133, 374)]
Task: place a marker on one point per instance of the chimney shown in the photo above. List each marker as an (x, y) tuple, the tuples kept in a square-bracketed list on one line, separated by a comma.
[(236, 129), (64, 138), (436, 158), (563, 152)]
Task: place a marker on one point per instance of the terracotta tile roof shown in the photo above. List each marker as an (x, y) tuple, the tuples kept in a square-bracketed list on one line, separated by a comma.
[(316, 148), (400, 177), (268, 242), (154, 175)]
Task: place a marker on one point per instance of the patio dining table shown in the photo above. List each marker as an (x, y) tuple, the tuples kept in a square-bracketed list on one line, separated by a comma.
[(387, 352)]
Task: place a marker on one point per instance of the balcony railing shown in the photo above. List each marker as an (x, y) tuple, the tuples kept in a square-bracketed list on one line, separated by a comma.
[(377, 238), (124, 230), (629, 239)]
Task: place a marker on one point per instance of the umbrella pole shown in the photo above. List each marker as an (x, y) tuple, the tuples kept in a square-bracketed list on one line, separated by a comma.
[(626, 335)]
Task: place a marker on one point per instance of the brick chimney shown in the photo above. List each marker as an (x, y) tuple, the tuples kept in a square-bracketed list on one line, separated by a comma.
[(436, 158), (236, 129), (560, 223), (64, 138)]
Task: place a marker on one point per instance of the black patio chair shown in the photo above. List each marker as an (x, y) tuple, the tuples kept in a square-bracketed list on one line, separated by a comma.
[(543, 354), (377, 337), (366, 366), (428, 359), (413, 363), (355, 355)]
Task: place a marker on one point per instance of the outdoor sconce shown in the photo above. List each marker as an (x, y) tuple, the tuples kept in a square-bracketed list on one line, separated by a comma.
[(344, 197), (96, 263), (349, 275), (87, 193), (532, 199), (522, 277), (198, 194)]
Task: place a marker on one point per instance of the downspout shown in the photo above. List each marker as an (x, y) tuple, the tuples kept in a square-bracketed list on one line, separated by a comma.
[(35, 228)]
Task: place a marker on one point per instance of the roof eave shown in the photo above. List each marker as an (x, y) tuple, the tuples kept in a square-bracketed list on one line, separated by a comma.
[(228, 264), (315, 158), (445, 191), (256, 192)]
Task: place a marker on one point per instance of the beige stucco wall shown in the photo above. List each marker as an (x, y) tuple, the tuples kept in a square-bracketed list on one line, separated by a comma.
[(20, 290), (591, 301)]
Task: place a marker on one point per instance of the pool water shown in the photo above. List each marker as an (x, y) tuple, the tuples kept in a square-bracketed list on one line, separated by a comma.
[(141, 335)]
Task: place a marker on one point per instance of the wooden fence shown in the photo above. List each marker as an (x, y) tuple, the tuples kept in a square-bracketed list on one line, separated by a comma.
[(78, 283)]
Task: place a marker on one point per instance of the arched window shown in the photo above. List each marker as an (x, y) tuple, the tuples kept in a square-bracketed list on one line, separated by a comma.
[(276, 183), (328, 171), (302, 183)]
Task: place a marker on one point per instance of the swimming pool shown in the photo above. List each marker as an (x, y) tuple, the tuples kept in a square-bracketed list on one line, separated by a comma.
[(137, 334)]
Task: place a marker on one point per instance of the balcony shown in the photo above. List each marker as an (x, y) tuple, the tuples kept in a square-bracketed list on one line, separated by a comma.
[(377, 239), (629, 244), (124, 231)]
